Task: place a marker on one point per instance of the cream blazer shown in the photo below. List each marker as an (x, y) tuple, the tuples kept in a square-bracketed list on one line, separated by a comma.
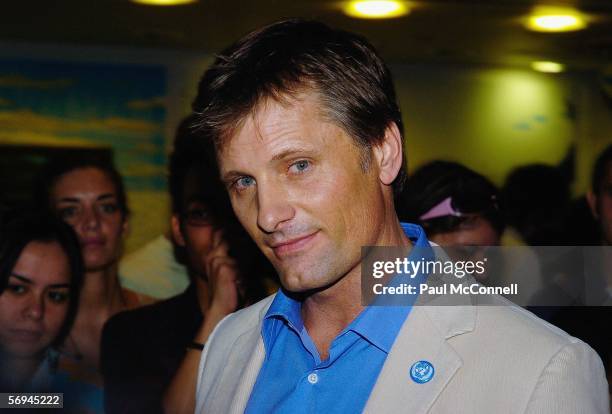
[(493, 358)]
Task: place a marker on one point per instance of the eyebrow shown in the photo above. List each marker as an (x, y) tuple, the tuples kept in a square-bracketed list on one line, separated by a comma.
[(22, 278), (68, 200), (76, 200), (29, 281), (106, 197), (289, 152)]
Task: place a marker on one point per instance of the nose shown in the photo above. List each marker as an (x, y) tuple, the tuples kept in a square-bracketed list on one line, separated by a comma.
[(91, 219), (35, 309), (274, 208)]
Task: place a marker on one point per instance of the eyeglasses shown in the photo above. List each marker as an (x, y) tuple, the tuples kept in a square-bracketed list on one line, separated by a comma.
[(197, 217)]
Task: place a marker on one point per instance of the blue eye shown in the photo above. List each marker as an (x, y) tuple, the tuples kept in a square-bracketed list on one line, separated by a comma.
[(301, 166), (244, 182)]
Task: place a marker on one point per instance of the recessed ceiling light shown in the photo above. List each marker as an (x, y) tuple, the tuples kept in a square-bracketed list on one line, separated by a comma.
[(376, 9), (164, 2), (555, 20), (547, 67)]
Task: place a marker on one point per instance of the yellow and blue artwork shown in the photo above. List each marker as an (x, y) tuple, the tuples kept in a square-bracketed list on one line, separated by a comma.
[(116, 108)]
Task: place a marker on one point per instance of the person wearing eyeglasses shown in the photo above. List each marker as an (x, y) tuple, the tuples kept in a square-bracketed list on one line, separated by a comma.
[(142, 350)]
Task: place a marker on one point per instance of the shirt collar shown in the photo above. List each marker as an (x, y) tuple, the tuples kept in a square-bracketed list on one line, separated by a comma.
[(287, 308), (368, 322)]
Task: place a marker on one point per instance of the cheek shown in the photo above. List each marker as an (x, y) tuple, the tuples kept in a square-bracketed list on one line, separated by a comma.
[(245, 209), (323, 196), (9, 316), (199, 239), (471, 238), (78, 230), (492, 239), (339, 196), (606, 208), (114, 224), (484, 234), (8, 310), (55, 315)]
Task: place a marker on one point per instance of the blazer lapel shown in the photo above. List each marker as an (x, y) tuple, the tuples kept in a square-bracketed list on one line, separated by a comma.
[(423, 337), (241, 371), (248, 376)]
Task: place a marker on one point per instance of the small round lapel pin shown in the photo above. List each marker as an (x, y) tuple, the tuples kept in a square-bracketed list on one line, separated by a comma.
[(422, 372)]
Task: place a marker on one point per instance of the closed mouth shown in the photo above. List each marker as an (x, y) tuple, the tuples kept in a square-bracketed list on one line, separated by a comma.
[(27, 335), (293, 245), (93, 242)]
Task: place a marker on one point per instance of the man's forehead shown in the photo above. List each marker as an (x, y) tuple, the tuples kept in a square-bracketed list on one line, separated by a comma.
[(277, 124)]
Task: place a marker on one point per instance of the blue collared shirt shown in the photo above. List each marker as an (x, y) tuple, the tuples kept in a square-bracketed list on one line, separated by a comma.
[(294, 379)]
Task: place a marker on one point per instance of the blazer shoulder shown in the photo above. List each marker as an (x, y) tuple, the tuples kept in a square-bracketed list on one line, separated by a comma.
[(228, 349), (538, 363), (524, 342), (503, 315), (240, 322)]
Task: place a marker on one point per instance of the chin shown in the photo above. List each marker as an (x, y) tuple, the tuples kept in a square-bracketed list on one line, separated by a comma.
[(24, 351), (301, 283), (293, 282), (97, 265)]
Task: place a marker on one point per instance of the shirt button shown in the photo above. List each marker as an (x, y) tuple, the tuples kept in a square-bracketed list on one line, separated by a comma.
[(313, 378)]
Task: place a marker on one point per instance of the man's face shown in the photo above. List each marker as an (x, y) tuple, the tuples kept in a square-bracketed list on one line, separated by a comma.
[(601, 205), (297, 186), (193, 228), (194, 231), (476, 231), (470, 241)]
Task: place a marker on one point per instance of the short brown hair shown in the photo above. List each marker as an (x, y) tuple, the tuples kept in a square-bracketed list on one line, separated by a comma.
[(292, 56)]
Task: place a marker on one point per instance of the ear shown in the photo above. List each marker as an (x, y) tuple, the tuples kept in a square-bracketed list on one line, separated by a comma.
[(389, 154), (592, 200), (177, 234), (125, 227)]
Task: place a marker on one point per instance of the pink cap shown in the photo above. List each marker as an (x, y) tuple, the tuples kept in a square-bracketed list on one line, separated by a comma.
[(442, 209)]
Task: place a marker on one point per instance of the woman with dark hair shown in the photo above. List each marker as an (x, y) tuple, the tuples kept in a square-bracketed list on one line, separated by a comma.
[(40, 276), (455, 205), (89, 195)]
